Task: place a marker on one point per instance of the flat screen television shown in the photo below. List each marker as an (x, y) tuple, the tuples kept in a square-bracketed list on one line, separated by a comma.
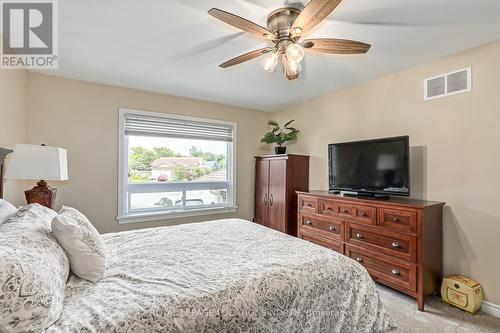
[(370, 168)]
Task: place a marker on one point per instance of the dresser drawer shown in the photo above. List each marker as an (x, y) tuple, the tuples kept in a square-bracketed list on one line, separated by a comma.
[(330, 228), (327, 208), (398, 220), (308, 204), (382, 241), (358, 213), (332, 245), (346, 210), (391, 271), (365, 214)]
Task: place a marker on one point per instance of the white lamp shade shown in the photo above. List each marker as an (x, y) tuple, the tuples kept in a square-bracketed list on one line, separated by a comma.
[(32, 162)]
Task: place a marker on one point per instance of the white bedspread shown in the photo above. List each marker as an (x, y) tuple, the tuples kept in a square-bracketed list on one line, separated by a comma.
[(222, 276)]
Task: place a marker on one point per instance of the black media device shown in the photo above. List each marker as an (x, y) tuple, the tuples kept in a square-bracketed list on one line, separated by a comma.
[(371, 168)]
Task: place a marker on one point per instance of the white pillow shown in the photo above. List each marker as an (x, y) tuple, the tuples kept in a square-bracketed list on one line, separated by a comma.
[(33, 271), (6, 210), (82, 243)]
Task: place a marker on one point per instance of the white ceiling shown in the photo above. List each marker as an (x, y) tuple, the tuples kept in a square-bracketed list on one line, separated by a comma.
[(174, 46)]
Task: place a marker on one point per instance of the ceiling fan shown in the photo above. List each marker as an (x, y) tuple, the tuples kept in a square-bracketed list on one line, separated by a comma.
[(285, 28)]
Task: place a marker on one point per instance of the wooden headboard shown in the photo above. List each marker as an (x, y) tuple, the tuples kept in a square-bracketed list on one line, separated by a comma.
[(3, 153)]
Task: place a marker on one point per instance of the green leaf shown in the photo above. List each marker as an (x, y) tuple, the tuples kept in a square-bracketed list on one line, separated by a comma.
[(269, 138), (292, 136), (280, 135), (273, 123)]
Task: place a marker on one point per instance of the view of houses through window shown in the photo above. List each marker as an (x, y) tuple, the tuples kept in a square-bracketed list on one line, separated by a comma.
[(163, 160)]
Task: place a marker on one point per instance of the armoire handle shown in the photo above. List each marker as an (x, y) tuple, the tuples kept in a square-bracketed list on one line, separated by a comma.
[(265, 199), (271, 200)]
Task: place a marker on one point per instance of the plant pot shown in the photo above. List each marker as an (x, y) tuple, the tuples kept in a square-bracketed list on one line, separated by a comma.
[(280, 150)]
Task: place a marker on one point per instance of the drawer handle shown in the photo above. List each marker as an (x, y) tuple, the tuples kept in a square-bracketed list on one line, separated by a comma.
[(309, 205), (396, 272), (359, 259), (333, 229), (396, 220), (364, 215), (396, 245), (359, 235), (345, 211), (329, 208), (309, 222)]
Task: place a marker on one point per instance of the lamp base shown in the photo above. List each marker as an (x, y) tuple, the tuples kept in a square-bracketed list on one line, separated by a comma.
[(41, 194)]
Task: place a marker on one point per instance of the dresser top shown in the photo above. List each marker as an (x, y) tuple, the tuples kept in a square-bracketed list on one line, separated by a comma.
[(402, 201), (281, 156)]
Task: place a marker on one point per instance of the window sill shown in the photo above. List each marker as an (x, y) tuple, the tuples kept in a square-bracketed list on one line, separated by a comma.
[(157, 216)]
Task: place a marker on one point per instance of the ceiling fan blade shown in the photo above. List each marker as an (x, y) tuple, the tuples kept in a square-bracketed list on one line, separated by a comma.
[(336, 46), (315, 12), (245, 57), (241, 23)]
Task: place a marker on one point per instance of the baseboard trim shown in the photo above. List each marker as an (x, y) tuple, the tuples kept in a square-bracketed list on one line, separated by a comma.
[(491, 308)]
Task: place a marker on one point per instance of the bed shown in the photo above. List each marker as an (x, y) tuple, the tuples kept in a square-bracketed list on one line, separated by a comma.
[(221, 276)]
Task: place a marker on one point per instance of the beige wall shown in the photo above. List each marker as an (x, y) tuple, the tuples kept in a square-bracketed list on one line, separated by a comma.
[(455, 154), (13, 97), (83, 118)]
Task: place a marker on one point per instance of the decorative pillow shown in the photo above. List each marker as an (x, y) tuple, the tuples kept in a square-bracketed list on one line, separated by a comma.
[(6, 210), (33, 271), (82, 242)]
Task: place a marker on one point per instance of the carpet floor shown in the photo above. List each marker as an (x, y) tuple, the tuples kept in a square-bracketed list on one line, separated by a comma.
[(438, 316)]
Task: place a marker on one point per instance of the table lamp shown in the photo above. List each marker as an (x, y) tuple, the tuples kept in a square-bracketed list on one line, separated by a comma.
[(42, 163)]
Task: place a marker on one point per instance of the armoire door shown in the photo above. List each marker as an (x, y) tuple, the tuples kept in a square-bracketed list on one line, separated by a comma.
[(261, 191), (277, 194)]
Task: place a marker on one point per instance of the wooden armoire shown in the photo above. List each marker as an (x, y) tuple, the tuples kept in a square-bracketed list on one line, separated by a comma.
[(277, 178)]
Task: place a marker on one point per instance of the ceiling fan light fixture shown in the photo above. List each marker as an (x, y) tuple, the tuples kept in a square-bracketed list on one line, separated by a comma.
[(291, 67), (286, 27), (297, 31), (298, 66), (271, 61), (295, 52)]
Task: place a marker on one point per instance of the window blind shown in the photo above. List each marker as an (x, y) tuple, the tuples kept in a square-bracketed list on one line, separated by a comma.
[(145, 125)]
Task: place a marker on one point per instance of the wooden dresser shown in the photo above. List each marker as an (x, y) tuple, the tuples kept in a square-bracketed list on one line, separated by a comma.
[(397, 240), (277, 178)]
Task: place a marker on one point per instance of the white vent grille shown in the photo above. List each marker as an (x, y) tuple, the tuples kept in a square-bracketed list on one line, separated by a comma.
[(448, 84)]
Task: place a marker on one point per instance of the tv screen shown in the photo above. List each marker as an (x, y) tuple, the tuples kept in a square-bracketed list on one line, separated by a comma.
[(372, 166)]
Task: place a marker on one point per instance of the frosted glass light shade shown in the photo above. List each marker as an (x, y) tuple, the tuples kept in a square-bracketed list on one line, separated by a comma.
[(295, 52), (270, 62), (291, 67), (31, 162)]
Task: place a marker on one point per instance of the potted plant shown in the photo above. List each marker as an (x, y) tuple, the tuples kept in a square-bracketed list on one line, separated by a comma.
[(280, 135)]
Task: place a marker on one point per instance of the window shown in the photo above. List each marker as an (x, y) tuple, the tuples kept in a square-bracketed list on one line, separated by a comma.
[(174, 166)]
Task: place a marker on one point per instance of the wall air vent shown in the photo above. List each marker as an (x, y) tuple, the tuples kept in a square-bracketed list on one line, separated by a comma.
[(448, 84)]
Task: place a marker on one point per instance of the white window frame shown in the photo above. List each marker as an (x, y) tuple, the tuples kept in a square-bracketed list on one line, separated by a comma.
[(125, 189)]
